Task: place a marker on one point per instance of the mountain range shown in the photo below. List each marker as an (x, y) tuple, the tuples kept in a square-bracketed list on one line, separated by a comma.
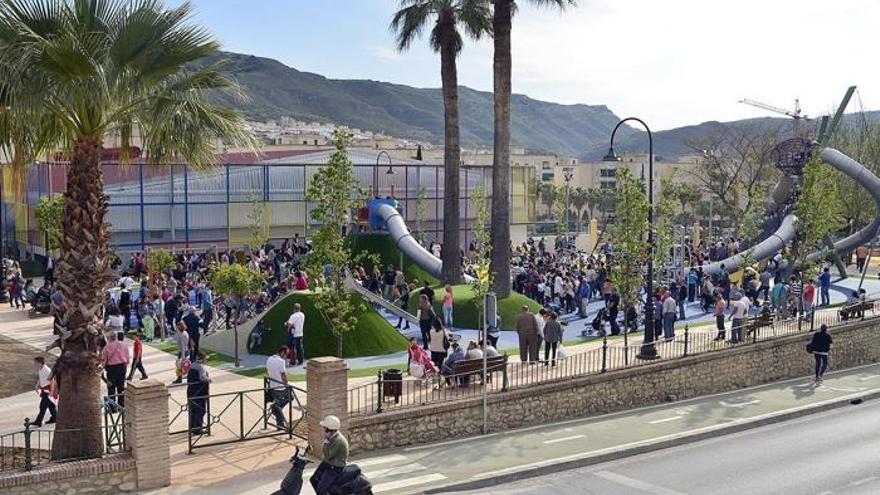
[(275, 90)]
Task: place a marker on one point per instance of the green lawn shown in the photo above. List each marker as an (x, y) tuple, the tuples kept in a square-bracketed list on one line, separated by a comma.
[(301, 377), (464, 313), (384, 247), (372, 335), (211, 358)]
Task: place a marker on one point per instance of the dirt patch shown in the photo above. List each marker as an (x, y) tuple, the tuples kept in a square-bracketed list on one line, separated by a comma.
[(17, 367)]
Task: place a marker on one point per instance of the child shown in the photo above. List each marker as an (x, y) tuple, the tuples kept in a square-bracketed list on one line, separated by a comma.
[(137, 358)]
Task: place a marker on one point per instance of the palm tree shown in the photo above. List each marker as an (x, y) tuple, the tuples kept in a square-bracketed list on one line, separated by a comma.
[(447, 15), (85, 68), (578, 202), (502, 18), (594, 199)]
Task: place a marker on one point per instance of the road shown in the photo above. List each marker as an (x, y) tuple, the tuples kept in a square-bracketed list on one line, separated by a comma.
[(833, 453)]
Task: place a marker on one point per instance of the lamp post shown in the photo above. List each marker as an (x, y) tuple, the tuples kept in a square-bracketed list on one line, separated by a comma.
[(567, 174), (376, 171), (648, 350)]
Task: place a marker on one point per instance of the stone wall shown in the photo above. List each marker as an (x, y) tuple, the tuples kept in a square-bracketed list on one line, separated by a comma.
[(111, 475), (752, 364)]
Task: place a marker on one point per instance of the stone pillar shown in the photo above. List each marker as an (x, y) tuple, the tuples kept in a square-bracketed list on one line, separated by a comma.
[(146, 432), (326, 393)]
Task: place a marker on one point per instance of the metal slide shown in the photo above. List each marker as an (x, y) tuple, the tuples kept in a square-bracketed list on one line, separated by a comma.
[(379, 300), (785, 233), (408, 245)]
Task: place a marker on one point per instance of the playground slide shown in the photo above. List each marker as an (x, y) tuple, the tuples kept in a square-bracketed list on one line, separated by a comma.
[(785, 233), (379, 300), (407, 244)]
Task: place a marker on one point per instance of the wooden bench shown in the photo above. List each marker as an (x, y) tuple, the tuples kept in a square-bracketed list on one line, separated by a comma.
[(754, 323), (495, 364), (856, 310)]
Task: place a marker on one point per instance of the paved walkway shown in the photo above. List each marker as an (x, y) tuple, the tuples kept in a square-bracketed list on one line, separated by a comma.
[(259, 469)]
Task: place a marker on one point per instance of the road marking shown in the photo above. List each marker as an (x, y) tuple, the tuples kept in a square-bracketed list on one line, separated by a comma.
[(634, 483), (840, 389), (564, 439), (868, 377), (418, 480), (664, 420), (405, 469), (863, 481), (380, 460), (740, 404)]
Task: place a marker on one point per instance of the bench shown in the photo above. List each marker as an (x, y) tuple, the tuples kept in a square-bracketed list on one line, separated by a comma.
[(495, 364), (856, 310), (754, 323)]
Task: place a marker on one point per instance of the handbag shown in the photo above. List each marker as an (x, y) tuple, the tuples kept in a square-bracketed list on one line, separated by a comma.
[(809, 348)]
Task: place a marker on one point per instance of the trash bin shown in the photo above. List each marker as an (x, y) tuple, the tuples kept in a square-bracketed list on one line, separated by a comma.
[(392, 385)]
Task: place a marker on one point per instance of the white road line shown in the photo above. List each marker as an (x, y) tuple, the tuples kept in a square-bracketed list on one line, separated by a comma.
[(405, 469), (664, 420), (379, 460), (564, 439), (868, 377), (396, 485), (634, 483), (863, 481), (739, 404)]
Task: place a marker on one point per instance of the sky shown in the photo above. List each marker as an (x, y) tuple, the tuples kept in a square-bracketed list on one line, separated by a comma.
[(672, 63)]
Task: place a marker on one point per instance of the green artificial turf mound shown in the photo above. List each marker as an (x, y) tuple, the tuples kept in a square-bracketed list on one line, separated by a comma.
[(464, 312), (383, 246), (372, 336)]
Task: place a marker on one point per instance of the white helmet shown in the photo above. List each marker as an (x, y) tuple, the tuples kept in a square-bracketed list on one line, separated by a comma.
[(331, 423)]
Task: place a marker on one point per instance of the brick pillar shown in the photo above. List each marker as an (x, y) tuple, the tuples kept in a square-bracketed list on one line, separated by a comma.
[(327, 393), (146, 423)]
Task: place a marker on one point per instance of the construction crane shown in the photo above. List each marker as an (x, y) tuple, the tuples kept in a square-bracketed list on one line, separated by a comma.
[(795, 114)]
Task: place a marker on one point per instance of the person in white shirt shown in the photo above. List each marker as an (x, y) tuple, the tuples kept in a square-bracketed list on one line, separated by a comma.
[(473, 351), (738, 311), (295, 326), (488, 349), (44, 389), (276, 370), (540, 319), (125, 281)]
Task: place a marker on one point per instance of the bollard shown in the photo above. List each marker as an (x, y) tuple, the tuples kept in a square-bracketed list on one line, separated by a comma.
[(686, 339), (379, 404), (28, 458), (604, 353)]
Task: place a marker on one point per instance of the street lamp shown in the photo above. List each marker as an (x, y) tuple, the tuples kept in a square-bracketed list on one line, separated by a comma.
[(376, 171), (567, 174), (648, 350)]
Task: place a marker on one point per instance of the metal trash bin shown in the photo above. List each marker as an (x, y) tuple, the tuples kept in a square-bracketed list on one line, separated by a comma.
[(392, 384)]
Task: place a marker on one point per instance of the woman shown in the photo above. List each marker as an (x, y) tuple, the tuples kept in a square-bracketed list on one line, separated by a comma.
[(473, 351), (197, 391), (552, 338), (447, 307), (438, 343), (427, 317), (820, 346), (403, 301), (114, 321)]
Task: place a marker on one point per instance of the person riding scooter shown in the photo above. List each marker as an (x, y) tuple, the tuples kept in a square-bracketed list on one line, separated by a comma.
[(335, 456)]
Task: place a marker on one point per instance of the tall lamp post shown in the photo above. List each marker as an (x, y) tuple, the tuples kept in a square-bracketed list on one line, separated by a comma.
[(648, 349), (567, 174), (390, 171)]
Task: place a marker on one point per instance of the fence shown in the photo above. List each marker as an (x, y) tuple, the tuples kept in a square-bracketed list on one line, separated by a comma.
[(386, 394), (231, 417), (30, 447)]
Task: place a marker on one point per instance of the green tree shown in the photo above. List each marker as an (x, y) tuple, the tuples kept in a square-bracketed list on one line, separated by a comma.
[(335, 191), (236, 282), (482, 243), (594, 199), (158, 262), (579, 202), (560, 208), (50, 214), (72, 71), (258, 224), (629, 234), (447, 18), (818, 211), (502, 20)]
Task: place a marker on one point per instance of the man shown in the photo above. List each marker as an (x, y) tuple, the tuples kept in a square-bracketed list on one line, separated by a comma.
[(207, 307), (825, 287), (193, 324), (116, 359), (335, 456), (527, 330), (181, 338), (125, 306), (429, 292), (295, 325), (456, 354), (44, 388), (809, 298), (738, 309), (276, 370), (764, 288), (795, 290), (670, 311)]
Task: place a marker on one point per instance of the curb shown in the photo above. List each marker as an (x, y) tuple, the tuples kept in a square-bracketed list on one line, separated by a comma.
[(614, 453)]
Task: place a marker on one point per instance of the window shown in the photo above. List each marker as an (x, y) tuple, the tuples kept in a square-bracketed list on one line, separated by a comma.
[(545, 165), (608, 172), (607, 185)]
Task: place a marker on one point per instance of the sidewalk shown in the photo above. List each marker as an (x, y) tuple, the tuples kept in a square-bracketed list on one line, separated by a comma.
[(471, 463)]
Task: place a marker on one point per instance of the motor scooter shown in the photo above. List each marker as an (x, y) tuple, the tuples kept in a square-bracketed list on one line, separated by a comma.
[(350, 482)]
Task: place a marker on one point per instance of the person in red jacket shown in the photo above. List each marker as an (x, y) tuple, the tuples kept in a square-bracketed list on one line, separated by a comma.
[(137, 358)]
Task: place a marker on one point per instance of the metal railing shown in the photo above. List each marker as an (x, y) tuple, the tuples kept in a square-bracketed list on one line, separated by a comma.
[(33, 446), (393, 394), (230, 417)]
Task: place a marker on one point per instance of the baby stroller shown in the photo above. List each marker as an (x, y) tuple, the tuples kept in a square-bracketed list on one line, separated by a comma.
[(420, 365), (596, 328)]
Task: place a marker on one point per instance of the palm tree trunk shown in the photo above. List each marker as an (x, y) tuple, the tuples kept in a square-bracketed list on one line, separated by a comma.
[(83, 276), (451, 163), (500, 234)]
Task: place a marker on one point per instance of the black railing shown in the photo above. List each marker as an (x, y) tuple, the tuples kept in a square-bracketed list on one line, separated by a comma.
[(387, 394)]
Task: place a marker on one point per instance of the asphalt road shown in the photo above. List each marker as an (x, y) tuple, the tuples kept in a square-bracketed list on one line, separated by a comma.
[(832, 453)]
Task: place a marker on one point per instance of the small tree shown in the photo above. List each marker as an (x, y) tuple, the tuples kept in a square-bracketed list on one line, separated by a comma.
[(560, 210), (629, 232), (158, 261), (236, 282), (335, 190), (482, 277), (50, 213), (258, 224), (421, 214), (818, 210)]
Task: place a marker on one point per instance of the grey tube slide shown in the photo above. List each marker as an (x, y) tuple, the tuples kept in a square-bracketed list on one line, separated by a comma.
[(408, 245), (785, 233)]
